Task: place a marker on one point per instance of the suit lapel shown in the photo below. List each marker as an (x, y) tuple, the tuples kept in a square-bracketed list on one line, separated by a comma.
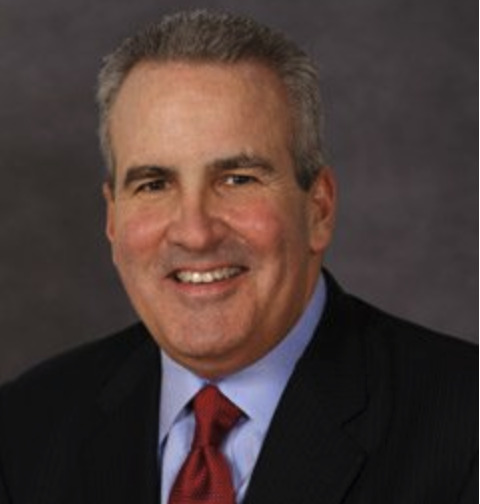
[(119, 462), (308, 454)]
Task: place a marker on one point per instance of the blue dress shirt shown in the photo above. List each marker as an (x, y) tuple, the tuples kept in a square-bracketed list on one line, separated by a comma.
[(256, 390)]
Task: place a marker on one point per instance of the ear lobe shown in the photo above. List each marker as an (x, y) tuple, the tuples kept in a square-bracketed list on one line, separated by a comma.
[(110, 211), (322, 210)]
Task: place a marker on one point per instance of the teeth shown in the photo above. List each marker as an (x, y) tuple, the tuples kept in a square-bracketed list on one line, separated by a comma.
[(198, 277)]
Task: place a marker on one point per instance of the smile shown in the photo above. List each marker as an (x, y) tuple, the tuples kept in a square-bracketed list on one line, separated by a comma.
[(207, 277)]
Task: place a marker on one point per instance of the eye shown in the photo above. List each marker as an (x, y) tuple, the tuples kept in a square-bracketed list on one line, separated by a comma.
[(238, 179), (152, 186)]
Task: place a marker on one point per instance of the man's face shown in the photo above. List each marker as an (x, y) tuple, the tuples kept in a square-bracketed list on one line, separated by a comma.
[(217, 246)]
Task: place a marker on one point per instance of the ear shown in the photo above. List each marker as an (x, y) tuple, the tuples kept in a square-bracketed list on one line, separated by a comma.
[(322, 205), (110, 211)]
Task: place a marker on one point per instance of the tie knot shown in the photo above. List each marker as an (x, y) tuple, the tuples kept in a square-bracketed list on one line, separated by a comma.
[(215, 415)]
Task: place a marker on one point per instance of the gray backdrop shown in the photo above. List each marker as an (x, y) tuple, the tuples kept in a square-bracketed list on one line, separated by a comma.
[(400, 89)]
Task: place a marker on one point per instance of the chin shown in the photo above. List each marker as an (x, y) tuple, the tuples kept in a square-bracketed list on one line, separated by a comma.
[(206, 354)]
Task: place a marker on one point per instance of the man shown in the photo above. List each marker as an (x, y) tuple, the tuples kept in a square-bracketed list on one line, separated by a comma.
[(253, 377)]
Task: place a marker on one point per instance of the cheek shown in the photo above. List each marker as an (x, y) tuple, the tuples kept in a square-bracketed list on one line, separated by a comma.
[(137, 236), (264, 225)]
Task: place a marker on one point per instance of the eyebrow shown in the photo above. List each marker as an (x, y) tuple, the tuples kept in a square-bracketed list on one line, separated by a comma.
[(242, 161), (143, 172)]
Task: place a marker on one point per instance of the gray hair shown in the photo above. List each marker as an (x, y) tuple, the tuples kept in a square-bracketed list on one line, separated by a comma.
[(203, 36)]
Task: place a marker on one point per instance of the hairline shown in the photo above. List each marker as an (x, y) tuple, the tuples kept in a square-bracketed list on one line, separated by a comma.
[(162, 61)]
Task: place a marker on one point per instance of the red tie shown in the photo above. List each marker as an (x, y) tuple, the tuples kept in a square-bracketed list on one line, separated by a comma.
[(205, 476)]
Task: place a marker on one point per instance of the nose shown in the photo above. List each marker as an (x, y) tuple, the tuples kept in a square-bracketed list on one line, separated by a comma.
[(196, 225)]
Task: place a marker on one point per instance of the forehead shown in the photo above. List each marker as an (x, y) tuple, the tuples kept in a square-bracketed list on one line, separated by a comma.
[(197, 100), (249, 83)]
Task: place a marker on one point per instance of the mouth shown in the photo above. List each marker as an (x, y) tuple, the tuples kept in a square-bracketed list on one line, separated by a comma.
[(195, 277)]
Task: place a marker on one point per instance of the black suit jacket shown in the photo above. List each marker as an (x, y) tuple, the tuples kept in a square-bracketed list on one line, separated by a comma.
[(377, 411)]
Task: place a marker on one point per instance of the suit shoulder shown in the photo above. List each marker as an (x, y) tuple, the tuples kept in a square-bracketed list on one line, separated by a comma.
[(418, 339), (47, 413), (73, 373), (404, 339), (419, 355)]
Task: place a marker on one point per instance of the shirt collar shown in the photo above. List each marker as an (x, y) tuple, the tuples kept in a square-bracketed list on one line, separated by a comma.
[(256, 389)]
